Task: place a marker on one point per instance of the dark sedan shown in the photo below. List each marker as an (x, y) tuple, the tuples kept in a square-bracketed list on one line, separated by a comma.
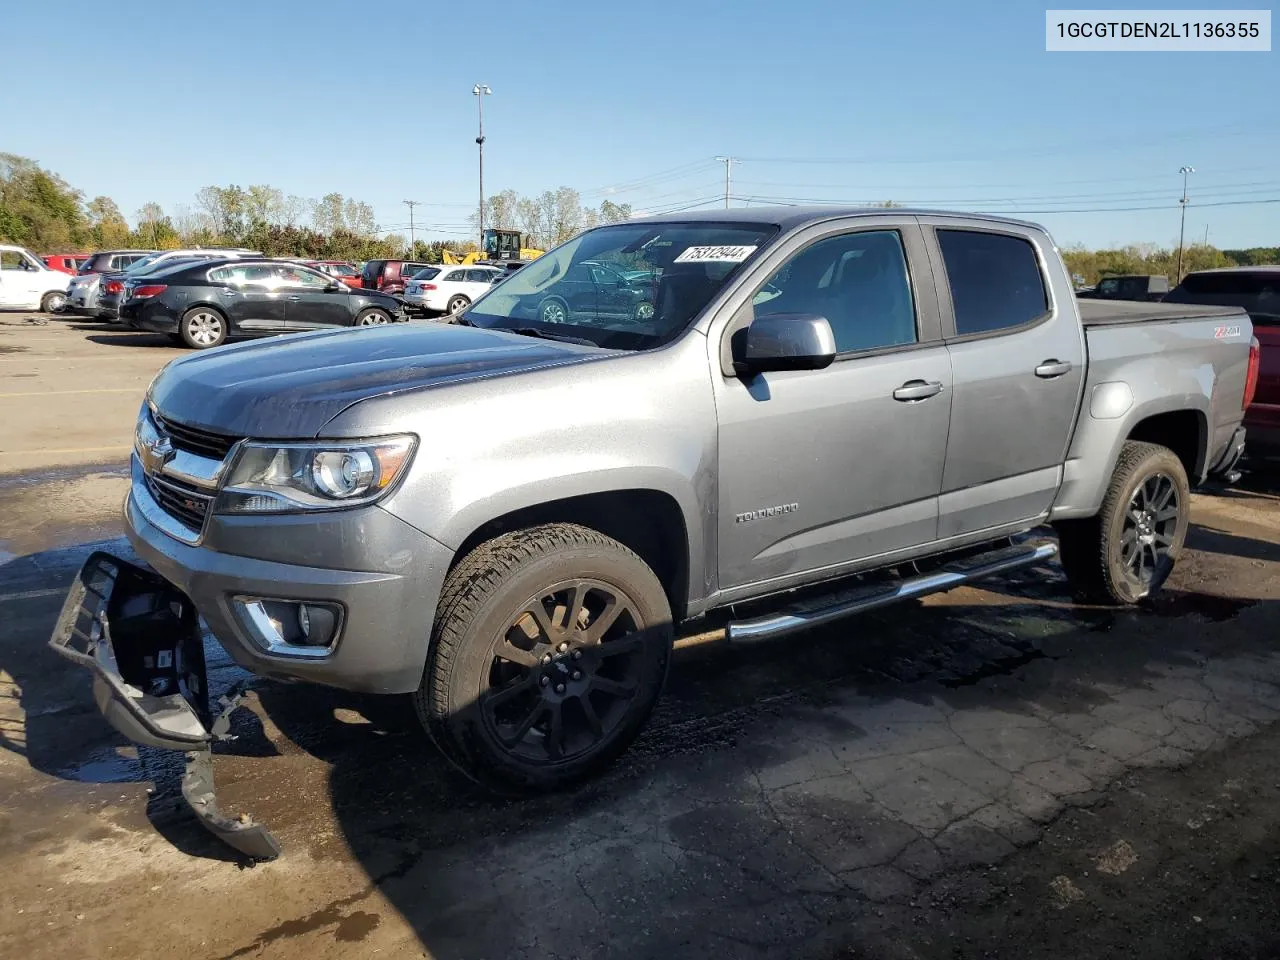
[(202, 304)]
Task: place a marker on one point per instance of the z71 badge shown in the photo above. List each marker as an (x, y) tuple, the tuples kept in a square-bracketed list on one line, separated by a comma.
[(1226, 332)]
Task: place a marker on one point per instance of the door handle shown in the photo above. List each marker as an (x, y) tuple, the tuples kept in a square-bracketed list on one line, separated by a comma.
[(295, 298), (1052, 368), (917, 390)]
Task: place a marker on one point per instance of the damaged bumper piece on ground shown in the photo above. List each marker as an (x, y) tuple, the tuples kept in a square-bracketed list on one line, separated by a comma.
[(140, 637)]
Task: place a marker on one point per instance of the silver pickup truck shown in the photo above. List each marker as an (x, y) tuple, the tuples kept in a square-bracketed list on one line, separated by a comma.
[(507, 515)]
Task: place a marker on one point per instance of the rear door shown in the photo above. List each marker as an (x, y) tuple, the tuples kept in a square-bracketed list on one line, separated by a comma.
[(1017, 358), (252, 297), (479, 280)]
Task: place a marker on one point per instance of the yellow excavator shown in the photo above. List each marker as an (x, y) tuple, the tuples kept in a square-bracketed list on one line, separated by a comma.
[(502, 248)]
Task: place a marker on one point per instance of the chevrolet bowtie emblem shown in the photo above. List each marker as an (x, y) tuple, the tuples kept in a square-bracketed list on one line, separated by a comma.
[(157, 453)]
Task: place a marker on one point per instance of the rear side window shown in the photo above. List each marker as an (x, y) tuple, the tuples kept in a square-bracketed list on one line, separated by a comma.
[(995, 280)]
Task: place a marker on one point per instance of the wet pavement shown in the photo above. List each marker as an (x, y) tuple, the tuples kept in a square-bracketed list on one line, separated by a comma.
[(992, 772)]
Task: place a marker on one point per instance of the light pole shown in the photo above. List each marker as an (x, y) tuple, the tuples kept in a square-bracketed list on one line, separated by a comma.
[(1183, 229), (481, 90)]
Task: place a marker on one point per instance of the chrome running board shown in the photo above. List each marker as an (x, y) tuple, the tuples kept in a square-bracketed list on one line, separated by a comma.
[(823, 610)]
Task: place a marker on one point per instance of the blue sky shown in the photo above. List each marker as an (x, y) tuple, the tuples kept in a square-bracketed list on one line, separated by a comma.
[(946, 104)]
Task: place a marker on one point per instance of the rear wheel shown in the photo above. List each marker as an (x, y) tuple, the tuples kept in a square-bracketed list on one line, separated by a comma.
[(550, 647), (202, 328), (55, 301), (372, 318), (1127, 551), (457, 304), (553, 310)]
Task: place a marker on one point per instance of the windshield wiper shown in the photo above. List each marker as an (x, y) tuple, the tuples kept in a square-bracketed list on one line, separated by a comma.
[(542, 334)]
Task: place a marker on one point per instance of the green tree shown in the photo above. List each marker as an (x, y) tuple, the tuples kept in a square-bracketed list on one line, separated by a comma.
[(107, 226), (39, 209)]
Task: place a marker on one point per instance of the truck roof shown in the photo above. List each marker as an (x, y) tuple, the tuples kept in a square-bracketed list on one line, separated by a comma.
[(788, 218)]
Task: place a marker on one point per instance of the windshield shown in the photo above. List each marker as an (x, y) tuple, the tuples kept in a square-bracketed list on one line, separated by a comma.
[(628, 286), (140, 266)]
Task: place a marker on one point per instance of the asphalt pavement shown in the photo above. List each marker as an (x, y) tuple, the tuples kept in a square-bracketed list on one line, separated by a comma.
[(991, 772)]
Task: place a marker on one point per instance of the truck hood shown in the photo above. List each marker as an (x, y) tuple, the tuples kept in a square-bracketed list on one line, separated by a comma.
[(289, 388)]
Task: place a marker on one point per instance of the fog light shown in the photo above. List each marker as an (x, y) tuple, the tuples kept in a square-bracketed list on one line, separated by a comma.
[(290, 627)]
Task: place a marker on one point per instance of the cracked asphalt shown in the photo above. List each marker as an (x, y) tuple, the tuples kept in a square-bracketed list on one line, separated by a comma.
[(991, 772)]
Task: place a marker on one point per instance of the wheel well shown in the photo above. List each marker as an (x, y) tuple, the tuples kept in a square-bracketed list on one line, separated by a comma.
[(1182, 431), (647, 521)]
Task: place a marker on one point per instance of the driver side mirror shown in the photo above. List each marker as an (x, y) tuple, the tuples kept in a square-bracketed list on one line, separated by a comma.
[(783, 341), (333, 286)]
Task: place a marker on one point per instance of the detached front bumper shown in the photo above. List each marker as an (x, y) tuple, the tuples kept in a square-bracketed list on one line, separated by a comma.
[(140, 638)]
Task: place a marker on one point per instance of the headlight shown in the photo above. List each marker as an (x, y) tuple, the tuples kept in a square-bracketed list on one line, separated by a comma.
[(287, 477)]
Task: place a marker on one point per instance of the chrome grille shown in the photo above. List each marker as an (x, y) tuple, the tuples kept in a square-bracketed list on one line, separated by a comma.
[(206, 443), (181, 500)]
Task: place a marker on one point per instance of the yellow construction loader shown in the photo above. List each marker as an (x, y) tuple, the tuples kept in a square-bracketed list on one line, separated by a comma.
[(502, 248)]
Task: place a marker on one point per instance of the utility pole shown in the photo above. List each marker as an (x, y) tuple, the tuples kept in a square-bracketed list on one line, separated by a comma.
[(1206, 235), (1183, 229), (413, 239), (480, 91), (728, 177)]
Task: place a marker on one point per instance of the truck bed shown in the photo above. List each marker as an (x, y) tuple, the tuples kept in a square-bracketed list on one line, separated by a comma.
[(1104, 313)]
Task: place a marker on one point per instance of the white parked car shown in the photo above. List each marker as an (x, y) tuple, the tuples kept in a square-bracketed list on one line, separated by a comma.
[(27, 284), (450, 289)]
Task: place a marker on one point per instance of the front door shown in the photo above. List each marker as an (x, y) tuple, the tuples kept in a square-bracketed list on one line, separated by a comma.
[(311, 300), (821, 468), (1017, 355), (20, 280)]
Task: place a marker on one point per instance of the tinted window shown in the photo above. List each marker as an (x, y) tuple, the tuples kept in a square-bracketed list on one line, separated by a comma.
[(427, 273), (995, 280), (858, 281), (1109, 286), (480, 276), (1258, 293)]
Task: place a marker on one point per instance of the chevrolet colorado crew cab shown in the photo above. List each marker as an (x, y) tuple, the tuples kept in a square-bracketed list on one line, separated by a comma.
[(506, 516)]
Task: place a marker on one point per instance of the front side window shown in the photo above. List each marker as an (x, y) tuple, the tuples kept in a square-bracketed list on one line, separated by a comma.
[(16, 260), (1109, 287), (679, 265), (995, 280), (857, 281), (295, 276)]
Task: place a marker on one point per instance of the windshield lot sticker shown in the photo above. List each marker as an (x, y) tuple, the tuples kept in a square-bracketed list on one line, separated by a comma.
[(1223, 333), (733, 254)]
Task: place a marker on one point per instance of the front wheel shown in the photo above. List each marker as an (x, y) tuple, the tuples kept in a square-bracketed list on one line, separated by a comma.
[(550, 647), (373, 318), (203, 328), (55, 301), (1127, 551)]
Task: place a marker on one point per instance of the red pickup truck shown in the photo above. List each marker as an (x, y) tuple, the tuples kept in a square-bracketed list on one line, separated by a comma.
[(65, 262), (1257, 289)]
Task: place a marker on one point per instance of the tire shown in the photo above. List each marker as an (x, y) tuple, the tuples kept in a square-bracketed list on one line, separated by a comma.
[(203, 328), (55, 301), (558, 679), (372, 317), (643, 312), (1123, 555), (553, 310), (457, 304)]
